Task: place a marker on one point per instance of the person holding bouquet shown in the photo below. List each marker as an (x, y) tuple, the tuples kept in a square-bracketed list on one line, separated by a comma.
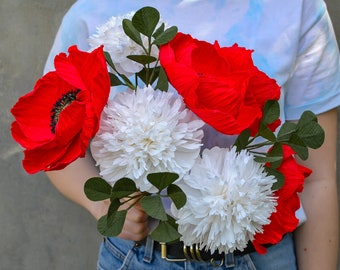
[(291, 42)]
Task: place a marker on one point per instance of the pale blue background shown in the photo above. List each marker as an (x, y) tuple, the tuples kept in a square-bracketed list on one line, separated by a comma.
[(39, 229)]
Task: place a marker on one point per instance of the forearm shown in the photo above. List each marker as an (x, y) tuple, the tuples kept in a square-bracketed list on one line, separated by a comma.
[(71, 180), (317, 239)]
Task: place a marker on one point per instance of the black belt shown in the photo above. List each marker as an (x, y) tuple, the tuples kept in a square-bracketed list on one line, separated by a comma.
[(178, 252)]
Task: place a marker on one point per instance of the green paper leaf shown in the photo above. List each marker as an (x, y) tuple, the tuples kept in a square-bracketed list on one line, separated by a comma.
[(261, 159), (132, 32), (311, 134), (123, 188), (142, 59), (307, 117), (274, 157), (279, 178), (153, 206), (145, 20), (309, 131), (271, 112), (162, 180), (242, 140), (114, 80), (109, 60), (127, 81), (286, 131), (276, 152), (166, 232), (144, 75), (113, 208), (116, 225), (162, 83), (298, 146), (97, 189), (177, 195), (266, 133), (166, 36), (159, 30)]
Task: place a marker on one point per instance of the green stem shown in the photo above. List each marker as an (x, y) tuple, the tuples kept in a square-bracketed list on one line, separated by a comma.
[(254, 146)]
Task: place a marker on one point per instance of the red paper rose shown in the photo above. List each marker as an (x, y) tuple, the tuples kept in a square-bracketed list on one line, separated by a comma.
[(284, 220), (221, 85), (56, 120)]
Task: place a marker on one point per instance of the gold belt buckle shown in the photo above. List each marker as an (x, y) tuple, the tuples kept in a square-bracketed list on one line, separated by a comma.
[(195, 254), (192, 254), (164, 254)]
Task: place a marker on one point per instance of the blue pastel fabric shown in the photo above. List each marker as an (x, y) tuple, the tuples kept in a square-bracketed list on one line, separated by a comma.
[(293, 41)]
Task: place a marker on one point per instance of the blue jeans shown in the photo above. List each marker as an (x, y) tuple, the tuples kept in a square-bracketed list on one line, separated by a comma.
[(119, 254)]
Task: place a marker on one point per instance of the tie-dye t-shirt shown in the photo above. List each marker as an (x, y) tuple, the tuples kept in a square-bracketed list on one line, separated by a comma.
[(293, 41)]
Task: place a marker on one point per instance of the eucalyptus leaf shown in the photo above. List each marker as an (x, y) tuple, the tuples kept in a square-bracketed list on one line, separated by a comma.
[(162, 180), (311, 134), (177, 195), (114, 80), (271, 112), (261, 159), (242, 140), (265, 132), (145, 20), (123, 188), (301, 151), (166, 36), (127, 81), (142, 59), (279, 178), (132, 32), (97, 189), (162, 83), (307, 117), (116, 226), (113, 208), (276, 152), (153, 206), (165, 232), (144, 75), (298, 146), (159, 30), (109, 60), (286, 131)]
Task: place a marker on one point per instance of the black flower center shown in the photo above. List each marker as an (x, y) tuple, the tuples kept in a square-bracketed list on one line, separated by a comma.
[(60, 105)]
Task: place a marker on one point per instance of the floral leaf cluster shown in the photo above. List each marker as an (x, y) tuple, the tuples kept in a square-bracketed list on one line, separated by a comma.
[(305, 133), (146, 30), (124, 192)]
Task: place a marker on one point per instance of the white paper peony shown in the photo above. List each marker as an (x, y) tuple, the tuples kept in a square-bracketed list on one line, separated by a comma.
[(146, 131), (229, 199), (119, 45)]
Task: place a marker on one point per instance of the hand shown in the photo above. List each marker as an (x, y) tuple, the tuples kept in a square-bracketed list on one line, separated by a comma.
[(136, 222)]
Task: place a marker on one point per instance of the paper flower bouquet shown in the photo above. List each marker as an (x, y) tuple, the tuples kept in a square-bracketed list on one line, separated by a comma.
[(147, 140)]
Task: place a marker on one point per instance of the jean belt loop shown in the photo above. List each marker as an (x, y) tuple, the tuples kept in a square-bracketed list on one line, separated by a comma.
[(229, 260), (148, 253)]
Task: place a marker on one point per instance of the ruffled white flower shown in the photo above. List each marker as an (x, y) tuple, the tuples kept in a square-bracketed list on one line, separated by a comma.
[(143, 132), (229, 199), (119, 45)]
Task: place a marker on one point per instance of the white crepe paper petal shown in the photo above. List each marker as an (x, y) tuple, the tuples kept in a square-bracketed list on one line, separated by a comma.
[(229, 199)]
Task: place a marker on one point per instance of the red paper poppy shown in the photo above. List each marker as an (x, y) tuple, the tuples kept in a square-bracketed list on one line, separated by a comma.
[(221, 85), (284, 220), (56, 120)]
